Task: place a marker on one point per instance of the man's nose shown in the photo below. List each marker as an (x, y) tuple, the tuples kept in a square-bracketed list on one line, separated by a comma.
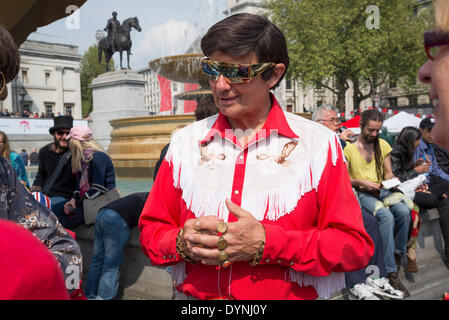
[(424, 73), (222, 83)]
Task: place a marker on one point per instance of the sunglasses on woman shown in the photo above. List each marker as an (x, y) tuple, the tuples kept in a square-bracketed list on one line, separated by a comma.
[(234, 72), (433, 40)]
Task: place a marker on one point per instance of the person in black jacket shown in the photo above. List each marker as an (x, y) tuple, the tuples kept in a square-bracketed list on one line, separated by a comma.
[(61, 190), (112, 231), (432, 194), (404, 168)]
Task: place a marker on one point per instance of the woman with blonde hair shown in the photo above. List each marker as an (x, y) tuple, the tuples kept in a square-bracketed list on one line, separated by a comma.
[(436, 73), (14, 158), (92, 167)]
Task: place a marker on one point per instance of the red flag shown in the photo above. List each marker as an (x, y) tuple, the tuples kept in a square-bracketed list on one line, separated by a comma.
[(165, 89), (190, 105)]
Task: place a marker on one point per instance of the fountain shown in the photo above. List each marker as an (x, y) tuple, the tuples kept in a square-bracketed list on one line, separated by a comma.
[(136, 142)]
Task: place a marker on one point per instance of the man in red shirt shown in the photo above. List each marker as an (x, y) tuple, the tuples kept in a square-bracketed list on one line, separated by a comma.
[(255, 202)]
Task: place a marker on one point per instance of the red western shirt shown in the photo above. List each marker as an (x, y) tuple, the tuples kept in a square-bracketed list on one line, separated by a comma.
[(292, 177)]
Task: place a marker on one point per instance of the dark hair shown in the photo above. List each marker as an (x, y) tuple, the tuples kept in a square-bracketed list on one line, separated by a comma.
[(426, 124), (9, 55), (374, 115), (6, 146), (242, 33), (406, 140), (206, 107)]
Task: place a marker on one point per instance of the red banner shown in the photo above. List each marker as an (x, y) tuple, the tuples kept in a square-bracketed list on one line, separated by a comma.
[(165, 92), (190, 105)]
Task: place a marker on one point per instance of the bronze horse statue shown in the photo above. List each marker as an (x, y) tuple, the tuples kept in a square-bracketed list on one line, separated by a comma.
[(122, 42)]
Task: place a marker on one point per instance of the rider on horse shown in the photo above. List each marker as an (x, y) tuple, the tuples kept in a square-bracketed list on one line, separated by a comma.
[(113, 28)]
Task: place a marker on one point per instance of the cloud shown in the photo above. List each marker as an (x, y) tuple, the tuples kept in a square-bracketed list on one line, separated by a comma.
[(170, 38)]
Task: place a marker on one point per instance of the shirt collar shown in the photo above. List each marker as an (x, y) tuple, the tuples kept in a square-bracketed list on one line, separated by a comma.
[(275, 121)]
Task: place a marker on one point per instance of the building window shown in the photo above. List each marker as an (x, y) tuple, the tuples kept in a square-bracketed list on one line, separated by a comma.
[(319, 103), (49, 110), (47, 78), (27, 107), (175, 86), (288, 83), (25, 76), (393, 102), (413, 101), (392, 83), (68, 109)]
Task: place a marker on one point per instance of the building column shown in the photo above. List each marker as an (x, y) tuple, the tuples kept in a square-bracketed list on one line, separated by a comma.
[(59, 107)]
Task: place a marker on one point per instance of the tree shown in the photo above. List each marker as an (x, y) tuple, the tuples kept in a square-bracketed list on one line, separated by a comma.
[(90, 69), (339, 40)]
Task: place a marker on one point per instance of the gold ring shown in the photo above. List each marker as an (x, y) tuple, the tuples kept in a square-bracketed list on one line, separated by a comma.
[(223, 256), (226, 264), (222, 244), (196, 225), (222, 227)]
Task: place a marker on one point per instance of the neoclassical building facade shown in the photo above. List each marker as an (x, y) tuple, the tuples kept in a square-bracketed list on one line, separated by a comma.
[(48, 81)]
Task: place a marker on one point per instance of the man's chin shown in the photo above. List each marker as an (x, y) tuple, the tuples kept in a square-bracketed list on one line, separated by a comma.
[(60, 145)]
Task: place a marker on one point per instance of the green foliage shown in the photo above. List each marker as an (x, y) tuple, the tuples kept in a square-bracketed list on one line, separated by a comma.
[(329, 39), (90, 69)]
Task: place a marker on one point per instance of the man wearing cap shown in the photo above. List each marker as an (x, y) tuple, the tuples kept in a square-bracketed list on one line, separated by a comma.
[(61, 190), (438, 180)]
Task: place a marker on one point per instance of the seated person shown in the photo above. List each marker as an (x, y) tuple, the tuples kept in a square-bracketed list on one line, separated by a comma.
[(112, 231), (368, 162), (438, 180)]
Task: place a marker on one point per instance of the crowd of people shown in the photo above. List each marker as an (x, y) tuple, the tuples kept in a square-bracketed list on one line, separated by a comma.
[(27, 114), (249, 203)]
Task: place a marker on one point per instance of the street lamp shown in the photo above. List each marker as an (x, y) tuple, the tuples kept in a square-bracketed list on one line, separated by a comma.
[(99, 35), (22, 93)]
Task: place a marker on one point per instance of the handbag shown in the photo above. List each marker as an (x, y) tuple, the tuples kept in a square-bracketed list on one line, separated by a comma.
[(92, 205)]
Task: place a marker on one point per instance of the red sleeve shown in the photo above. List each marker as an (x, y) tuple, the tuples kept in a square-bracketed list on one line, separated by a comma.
[(337, 243), (159, 222)]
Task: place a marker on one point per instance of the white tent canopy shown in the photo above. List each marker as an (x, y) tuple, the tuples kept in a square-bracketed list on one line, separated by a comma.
[(399, 121)]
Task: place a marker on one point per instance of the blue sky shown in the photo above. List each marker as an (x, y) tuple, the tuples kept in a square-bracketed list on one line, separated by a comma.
[(168, 26)]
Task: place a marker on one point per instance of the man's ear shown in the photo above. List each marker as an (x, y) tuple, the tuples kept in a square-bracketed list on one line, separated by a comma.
[(278, 71)]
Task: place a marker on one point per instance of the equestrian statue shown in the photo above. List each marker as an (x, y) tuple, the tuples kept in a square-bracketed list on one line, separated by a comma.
[(118, 39)]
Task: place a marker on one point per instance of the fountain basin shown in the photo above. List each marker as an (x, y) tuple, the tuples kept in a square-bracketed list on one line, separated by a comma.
[(136, 143)]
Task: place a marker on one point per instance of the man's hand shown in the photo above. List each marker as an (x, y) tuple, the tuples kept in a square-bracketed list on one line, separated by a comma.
[(369, 185), (347, 135), (244, 237), (35, 189)]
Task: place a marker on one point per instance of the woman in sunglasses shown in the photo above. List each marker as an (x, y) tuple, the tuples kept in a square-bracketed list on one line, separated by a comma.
[(255, 202), (436, 71), (19, 206)]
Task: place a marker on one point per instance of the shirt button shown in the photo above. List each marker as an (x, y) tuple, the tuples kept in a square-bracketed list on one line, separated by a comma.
[(292, 263), (241, 157), (236, 192), (267, 260), (279, 261), (165, 258)]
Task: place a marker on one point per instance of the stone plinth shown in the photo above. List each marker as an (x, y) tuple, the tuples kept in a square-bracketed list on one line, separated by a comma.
[(117, 94), (136, 143)]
